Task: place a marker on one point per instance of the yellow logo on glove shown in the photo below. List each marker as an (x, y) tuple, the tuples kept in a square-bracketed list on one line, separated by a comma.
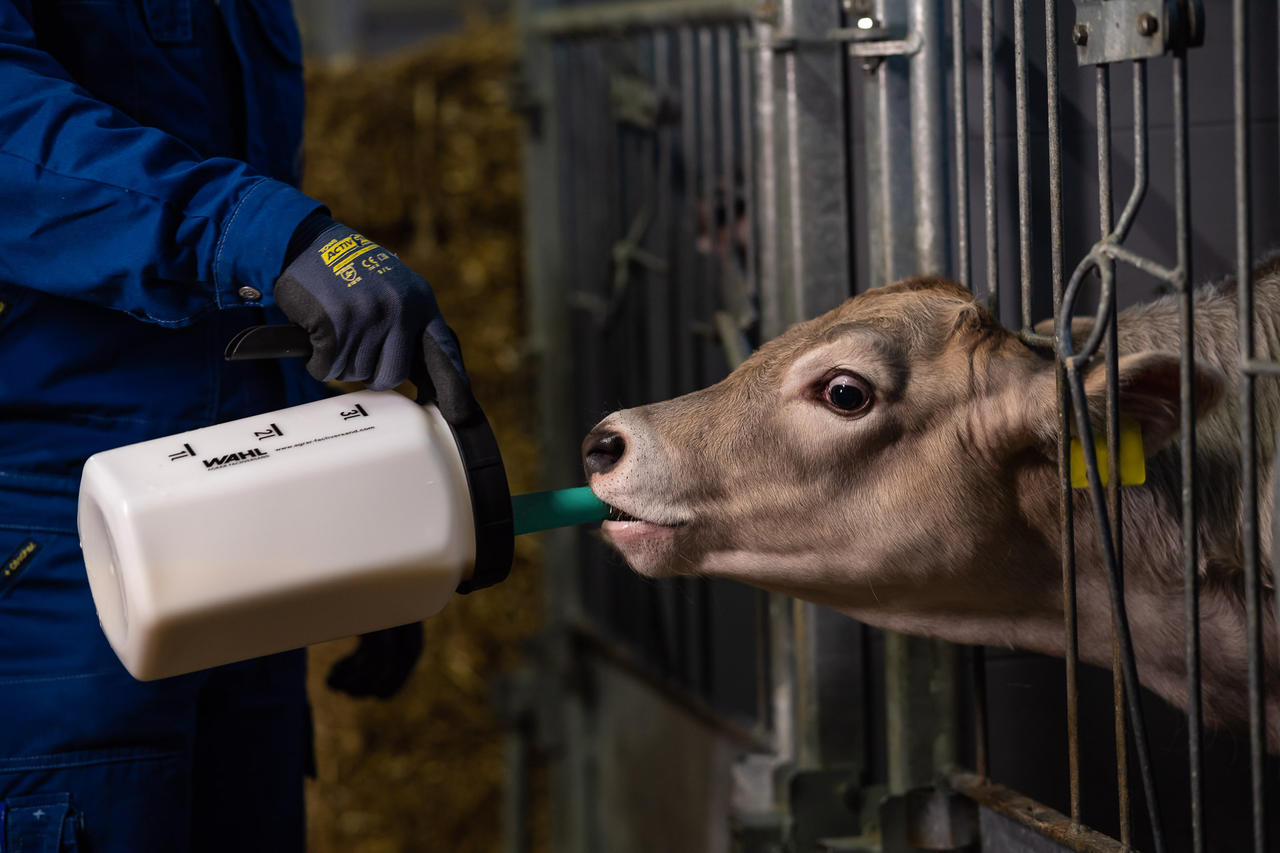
[(340, 256)]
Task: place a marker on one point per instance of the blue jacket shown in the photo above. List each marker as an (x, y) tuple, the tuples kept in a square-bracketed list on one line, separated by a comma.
[(148, 155)]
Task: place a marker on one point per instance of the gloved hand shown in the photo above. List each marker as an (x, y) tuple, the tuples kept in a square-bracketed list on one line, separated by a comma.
[(371, 319), (380, 664)]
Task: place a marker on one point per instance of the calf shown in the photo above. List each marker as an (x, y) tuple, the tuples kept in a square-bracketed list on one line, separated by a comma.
[(895, 459)]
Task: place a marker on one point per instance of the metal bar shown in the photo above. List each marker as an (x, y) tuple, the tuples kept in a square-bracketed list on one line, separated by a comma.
[(1041, 819), (631, 282), (599, 18), (891, 251), (1117, 531), (549, 273), (1190, 518), (697, 594), (765, 722), (1113, 422), (690, 277), (1075, 363), (1258, 367), (814, 221), (928, 155), (1248, 440), (980, 734), (989, 153), (746, 98), (1024, 176), (767, 194), (919, 710), (1139, 152), (920, 674), (1103, 113), (731, 293), (791, 235), (964, 266), (808, 743), (574, 826), (1150, 267), (663, 320), (766, 187), (782, 669), (1120, 615), (659, 295), (908, 46), (1102, 104), (1066, 519), (1036, 340), (707, 178), (687, 260)]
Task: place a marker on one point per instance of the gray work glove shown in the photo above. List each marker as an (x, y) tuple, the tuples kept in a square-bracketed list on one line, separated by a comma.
[(371, 319)]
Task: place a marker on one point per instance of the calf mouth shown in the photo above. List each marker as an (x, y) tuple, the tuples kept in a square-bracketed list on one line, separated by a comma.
[(619, 520), (647, 545)]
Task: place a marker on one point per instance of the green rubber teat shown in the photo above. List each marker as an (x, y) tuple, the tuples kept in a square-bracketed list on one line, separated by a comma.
[(559, 508)]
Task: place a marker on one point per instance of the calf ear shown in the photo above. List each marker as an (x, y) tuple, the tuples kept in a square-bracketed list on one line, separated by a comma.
[(1150, 393)]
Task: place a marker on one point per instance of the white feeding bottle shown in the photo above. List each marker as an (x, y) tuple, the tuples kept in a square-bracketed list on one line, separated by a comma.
[(324, 520)]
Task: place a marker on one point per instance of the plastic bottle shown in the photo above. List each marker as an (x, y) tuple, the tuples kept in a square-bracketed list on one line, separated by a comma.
[(323, 520)]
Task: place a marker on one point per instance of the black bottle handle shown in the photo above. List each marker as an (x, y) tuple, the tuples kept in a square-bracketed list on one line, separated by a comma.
[(288, 341)]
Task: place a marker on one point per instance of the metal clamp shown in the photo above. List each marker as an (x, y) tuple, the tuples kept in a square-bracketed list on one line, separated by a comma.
[(875, 41), (1120, 30)]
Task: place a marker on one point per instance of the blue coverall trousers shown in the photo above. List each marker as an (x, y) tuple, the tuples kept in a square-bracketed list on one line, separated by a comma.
[(149, 152)]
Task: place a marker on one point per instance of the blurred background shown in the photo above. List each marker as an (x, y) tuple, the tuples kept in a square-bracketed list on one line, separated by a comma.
[(427, 86)]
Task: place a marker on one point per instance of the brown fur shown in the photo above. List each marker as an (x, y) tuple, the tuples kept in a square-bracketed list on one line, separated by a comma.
[(936, 512)]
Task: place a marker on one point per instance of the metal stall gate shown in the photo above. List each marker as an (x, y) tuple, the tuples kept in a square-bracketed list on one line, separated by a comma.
[(701, 174)]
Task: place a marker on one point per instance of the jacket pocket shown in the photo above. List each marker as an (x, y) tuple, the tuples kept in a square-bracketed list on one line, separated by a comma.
[(98, 804), (41, 823)]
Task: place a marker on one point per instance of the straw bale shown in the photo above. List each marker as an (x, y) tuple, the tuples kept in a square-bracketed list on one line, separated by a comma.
[(420, 151)]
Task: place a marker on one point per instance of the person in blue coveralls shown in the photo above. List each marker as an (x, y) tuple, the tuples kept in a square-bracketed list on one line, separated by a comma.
[(149, 158)]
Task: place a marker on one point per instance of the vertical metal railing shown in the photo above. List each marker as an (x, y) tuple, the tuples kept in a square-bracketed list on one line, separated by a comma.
[(1101, 262), (1108, 507), (746, 119), (1248, 437), (1020, 99), (1066, 496), (963, 271), (1187, 437), (989, 153), (960, 114)]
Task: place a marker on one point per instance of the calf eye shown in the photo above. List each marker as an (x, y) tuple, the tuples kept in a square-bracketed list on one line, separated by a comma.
[(848, 394)]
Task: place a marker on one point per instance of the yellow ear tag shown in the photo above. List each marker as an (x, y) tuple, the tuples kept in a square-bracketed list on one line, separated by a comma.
[(1133, 464)]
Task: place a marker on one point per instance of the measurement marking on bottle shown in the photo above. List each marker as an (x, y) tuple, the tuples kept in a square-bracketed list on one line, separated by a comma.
[(260, 434)]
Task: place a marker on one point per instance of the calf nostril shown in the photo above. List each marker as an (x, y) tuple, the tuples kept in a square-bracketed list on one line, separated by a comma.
[(600, 453)]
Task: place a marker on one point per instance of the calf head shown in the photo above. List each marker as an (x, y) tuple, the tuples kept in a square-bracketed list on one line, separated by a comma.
[(895, 455)]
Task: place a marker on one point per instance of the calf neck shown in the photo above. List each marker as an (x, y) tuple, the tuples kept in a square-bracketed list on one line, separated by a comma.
[(895, 459)]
